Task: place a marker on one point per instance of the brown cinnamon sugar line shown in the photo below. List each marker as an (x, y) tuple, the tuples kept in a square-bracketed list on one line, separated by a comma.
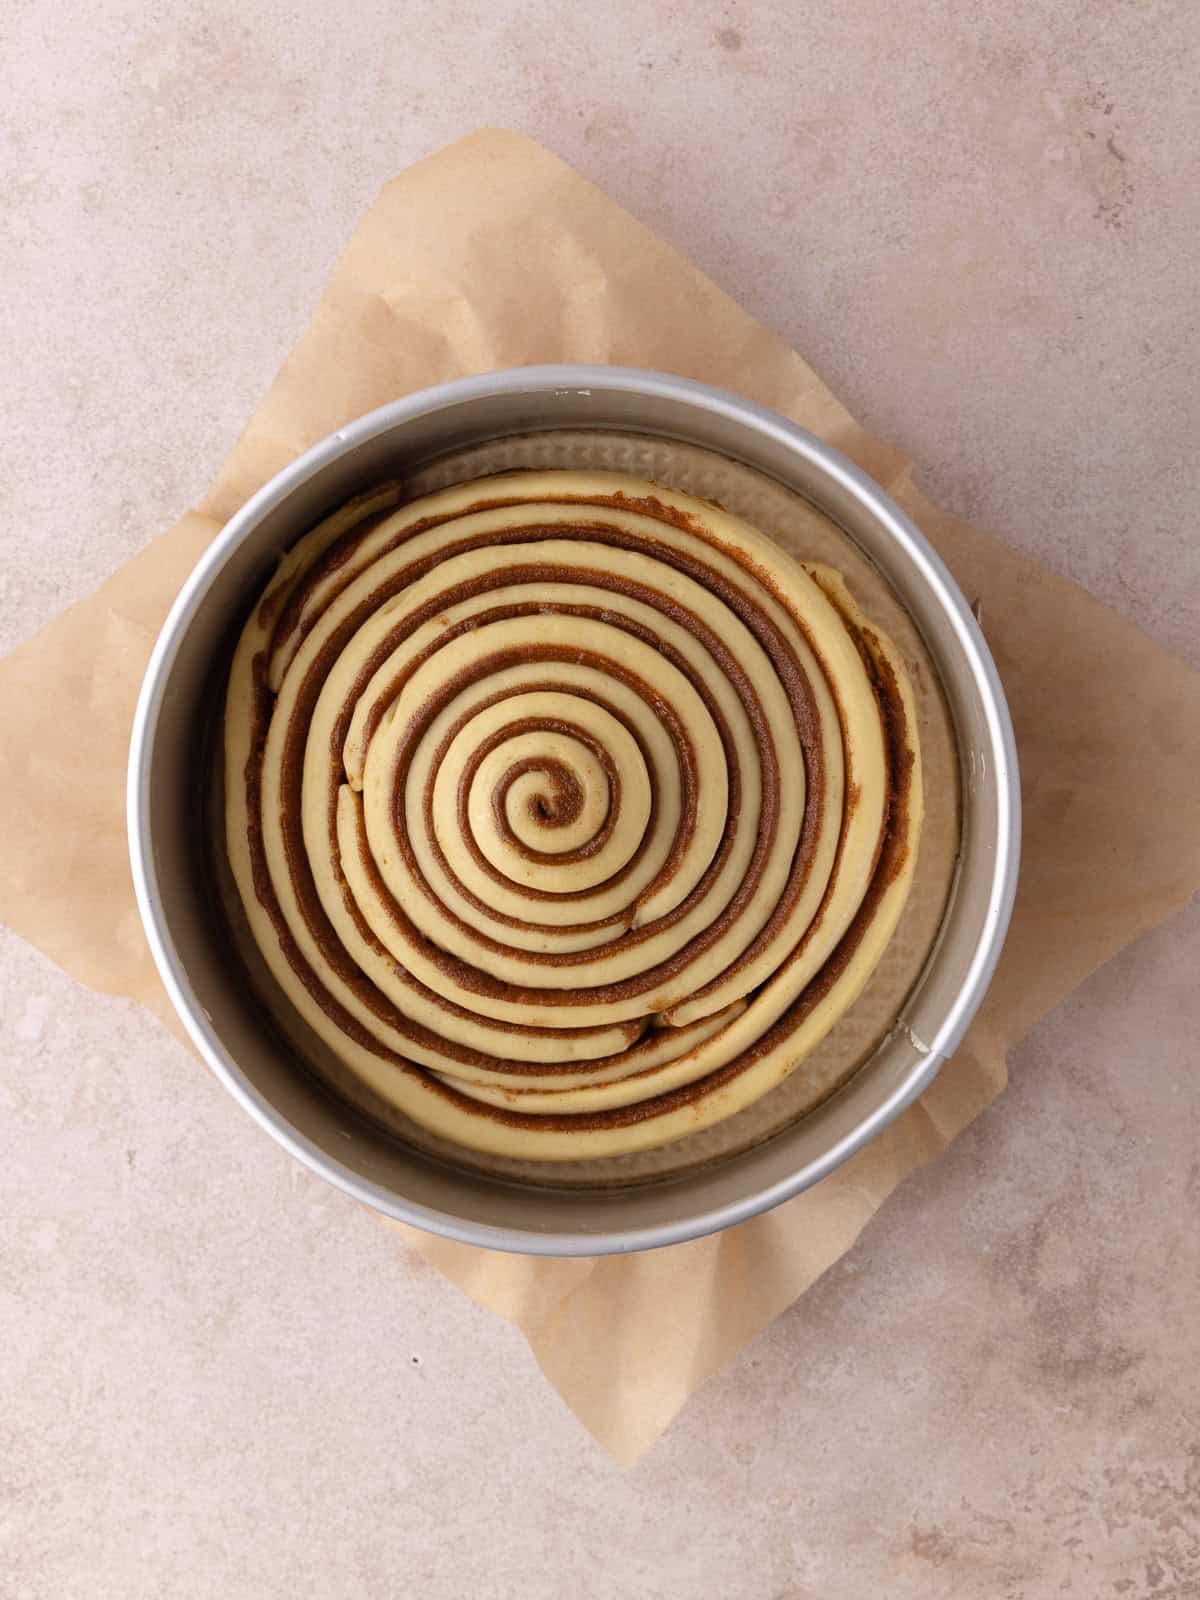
[(697, 568), (788, 670), (469, 978)]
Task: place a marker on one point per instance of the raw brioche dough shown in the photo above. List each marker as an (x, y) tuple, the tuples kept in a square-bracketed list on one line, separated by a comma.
[(568, 811)]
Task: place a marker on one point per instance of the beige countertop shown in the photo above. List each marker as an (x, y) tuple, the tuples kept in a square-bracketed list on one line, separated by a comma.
[(217, 1376)]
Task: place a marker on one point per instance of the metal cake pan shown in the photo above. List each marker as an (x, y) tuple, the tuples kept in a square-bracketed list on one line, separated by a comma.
[(202, 976)]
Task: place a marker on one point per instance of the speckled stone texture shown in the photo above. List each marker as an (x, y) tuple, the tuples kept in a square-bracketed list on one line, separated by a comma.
[(217, 1377)]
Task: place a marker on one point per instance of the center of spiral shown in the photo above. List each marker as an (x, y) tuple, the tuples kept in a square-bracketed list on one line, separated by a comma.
[(552, 794), (557, 802)]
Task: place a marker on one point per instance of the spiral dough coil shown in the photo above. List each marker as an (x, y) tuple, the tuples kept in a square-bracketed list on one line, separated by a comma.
[(569, 811)]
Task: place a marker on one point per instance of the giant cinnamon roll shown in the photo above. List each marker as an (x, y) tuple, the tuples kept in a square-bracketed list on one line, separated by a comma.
[(569, 811)]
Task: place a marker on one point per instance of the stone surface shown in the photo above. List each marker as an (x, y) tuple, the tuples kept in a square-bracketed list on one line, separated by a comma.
[(217, 1377)]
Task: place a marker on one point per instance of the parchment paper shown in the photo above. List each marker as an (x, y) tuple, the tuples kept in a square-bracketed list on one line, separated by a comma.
[(494, 253)]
